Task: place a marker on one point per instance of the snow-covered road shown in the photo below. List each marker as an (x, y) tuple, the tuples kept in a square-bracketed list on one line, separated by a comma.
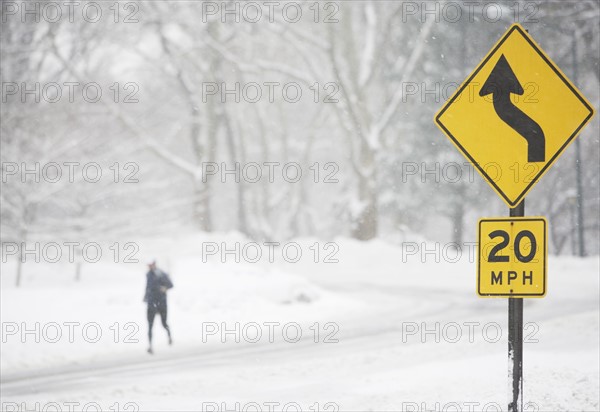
[(404, 337)]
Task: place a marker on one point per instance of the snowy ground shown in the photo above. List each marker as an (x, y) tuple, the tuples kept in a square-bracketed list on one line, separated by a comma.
[(364, 321)]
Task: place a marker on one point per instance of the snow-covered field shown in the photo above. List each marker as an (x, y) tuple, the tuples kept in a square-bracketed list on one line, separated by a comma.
[(380, 329)]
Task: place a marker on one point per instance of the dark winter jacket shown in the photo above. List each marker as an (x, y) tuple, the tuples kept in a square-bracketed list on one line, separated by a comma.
[(157, 282)]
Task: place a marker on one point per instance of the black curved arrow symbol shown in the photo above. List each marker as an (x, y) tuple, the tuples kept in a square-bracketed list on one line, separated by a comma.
[(501, 83)]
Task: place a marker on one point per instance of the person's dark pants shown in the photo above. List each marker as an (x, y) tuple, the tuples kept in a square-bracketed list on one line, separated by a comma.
[(161, 309)]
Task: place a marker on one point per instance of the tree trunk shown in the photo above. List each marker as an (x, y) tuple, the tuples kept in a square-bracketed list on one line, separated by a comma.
[(204, 153), (365, 224), (20, 261), (457, 223), (235, 157), (78, 271), (19, 270)]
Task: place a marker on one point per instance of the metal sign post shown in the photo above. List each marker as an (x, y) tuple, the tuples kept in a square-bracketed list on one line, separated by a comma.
[(515, 340)]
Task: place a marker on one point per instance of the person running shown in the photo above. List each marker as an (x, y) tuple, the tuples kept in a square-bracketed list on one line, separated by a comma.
[(157, 284)]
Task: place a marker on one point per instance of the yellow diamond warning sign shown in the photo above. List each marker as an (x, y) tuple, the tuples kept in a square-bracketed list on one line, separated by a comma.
[(512, 257), (514, 115)]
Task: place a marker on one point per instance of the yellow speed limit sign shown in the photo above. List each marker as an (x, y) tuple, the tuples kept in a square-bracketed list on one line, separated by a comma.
[(512, 257)]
